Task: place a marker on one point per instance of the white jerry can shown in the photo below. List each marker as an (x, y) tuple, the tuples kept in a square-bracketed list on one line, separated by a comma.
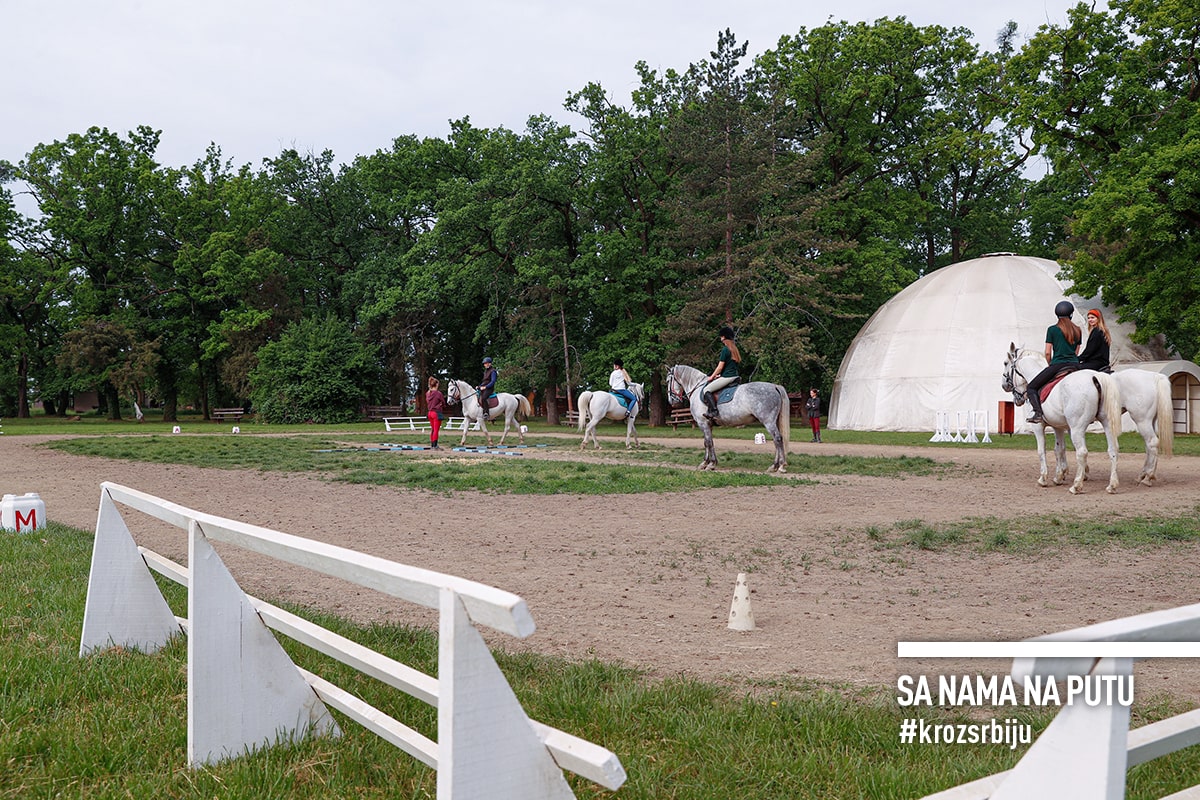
[(22, 513)]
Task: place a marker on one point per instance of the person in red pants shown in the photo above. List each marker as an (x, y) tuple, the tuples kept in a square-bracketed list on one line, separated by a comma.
[(812, 407), (435, 403)]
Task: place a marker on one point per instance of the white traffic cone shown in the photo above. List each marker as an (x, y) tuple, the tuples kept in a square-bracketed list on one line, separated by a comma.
[(741, 616)]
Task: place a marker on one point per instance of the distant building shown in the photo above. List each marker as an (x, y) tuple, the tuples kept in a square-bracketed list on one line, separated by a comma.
[(939, 345)]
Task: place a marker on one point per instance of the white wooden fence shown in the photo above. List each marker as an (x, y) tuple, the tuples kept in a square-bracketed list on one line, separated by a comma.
[(1086, 750), (396, 424), (244, 692)]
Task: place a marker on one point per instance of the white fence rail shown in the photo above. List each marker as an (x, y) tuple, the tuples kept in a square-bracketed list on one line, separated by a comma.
[(1086, 750), (397, 424), (244, 692)]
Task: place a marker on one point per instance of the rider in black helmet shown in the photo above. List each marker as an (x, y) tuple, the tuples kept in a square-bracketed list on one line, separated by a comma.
[(488, 385), (1062, 344)]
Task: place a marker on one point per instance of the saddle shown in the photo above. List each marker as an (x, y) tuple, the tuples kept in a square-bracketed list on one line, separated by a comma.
[(620, 399), (491, 402), (1064, 372), (726, 394)]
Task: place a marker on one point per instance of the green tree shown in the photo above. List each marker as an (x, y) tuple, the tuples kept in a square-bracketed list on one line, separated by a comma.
[(624, 264), (1112, 97), (94, 191), (746, 214), (317, 371)]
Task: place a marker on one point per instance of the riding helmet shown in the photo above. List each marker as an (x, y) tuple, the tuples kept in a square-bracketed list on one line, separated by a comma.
[(726, 332), (487, 359), (1064, 309)]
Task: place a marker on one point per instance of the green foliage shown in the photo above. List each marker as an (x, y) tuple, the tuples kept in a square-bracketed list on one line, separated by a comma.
[(791, 197), (317, 372)]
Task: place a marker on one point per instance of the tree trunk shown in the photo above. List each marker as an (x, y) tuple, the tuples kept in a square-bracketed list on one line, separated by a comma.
[(23, 387), (109, 392), (552, 395)]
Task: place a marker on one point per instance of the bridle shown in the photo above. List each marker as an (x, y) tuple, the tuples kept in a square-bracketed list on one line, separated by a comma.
[(1009, 385), (676, 392), (674, 388)]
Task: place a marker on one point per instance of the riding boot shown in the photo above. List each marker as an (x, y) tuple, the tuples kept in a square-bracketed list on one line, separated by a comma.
[(712, 414), (818, 438), (1035, 405)]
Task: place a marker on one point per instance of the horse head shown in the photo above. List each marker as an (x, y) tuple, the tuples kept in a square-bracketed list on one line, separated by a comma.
[(675, 394), (453, 394), (1013, 379), (637, 390)]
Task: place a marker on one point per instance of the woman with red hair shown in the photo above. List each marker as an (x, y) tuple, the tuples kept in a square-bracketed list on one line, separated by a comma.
[(1096, 354)]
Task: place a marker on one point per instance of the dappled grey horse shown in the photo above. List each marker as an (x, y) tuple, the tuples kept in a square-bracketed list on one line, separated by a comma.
[(766, 403)]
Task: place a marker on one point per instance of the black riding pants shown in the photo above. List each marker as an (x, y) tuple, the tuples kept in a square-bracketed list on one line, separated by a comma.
[(1034, 389)]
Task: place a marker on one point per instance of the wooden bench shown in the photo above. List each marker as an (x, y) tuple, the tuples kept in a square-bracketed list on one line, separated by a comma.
[(680, 416), (227, 414), (375, 413), (570, 418)]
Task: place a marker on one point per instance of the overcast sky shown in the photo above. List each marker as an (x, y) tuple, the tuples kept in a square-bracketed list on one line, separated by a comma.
[(258, 76)]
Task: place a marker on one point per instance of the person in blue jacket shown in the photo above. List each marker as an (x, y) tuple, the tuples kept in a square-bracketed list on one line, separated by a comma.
[(488, 385)]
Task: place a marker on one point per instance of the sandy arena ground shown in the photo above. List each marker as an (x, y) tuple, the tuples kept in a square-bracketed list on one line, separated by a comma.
[(647, 579)]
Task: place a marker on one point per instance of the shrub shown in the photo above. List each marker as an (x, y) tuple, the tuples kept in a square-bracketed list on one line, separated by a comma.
[(318, 371)]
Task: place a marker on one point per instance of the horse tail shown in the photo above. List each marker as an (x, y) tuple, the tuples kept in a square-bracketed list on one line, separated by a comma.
[(1164, 416), (1110, 400), (582, 405), (785, 419), (524, 407)]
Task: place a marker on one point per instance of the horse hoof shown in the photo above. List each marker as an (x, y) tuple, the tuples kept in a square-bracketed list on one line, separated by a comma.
[(782, 470), (1043, 482), (1075, 490), (1110, 489)]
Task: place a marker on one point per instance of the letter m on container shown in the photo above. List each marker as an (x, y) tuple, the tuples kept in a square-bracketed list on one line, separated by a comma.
[(22, 513)]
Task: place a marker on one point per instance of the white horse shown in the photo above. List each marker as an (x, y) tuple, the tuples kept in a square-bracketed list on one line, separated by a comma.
[(595, 406), (510, 405), (1147, 397), (1079, 399), (766, 403)]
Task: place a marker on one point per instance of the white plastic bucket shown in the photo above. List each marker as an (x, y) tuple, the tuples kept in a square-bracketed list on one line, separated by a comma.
[(22, 513)]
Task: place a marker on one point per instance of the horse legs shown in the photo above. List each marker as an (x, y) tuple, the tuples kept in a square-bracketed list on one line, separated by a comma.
[(1079, 442), (780, 464), (1150, 466), (1060, 458), (1111, 436), (630, 430), (1039, 434), (710, 450)]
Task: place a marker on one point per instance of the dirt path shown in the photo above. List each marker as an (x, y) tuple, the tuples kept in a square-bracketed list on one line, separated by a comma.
[(648, 579)]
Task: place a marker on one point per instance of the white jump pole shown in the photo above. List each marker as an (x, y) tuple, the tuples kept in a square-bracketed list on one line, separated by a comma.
[(941, 427), (986, 426)]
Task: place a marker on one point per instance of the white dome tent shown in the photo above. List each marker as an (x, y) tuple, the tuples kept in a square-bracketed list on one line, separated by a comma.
[(939, 344)]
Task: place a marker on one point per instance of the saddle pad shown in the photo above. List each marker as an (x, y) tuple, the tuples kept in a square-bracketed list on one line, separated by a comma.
[(624, 403), (493, 401), (1045, 392), (726, 394)]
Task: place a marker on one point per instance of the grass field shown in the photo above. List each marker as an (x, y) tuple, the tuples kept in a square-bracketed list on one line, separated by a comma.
[(112, 725)]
